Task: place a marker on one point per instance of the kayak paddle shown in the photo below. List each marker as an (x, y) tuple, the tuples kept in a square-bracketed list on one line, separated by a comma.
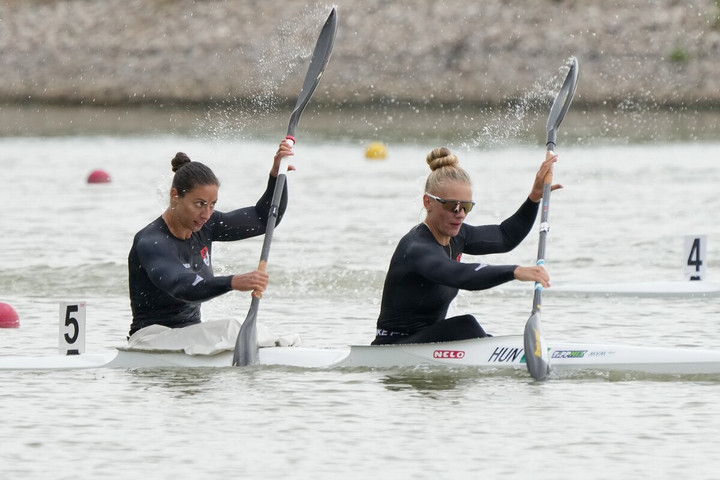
[(246, 345), (536, 352)]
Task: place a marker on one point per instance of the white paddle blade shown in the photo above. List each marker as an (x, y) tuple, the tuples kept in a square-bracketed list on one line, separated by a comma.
[(536, 352)]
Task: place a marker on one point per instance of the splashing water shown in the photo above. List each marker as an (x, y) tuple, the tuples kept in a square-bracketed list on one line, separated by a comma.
[(283, 60), (520, 114)]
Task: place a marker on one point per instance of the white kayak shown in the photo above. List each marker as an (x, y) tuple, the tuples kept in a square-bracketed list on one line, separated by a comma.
[(492, 353), (641, 289), (627, 289)]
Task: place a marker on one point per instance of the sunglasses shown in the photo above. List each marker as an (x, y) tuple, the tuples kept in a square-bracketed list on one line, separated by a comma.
[(453, 205)]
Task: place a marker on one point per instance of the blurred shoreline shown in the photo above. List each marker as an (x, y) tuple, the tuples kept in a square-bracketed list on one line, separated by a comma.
[(439, 53)]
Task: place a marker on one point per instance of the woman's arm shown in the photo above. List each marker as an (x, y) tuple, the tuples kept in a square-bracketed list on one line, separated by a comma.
[(251, 221), (508, 235), (486, 239), (248, 221), (167, 272), (431, 262)]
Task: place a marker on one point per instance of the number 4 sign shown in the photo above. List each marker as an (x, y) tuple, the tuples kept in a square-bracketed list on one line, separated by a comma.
[(71, 340), (694, 252)]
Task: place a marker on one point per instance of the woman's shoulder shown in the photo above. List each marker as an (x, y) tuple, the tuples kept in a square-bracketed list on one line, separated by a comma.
[(418, 238), (419, 232), (154, 229)]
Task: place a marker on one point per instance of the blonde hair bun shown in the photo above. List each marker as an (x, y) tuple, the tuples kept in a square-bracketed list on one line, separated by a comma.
[(445, 167), (441, 157)]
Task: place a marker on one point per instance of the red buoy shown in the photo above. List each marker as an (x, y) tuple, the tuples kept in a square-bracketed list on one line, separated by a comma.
[(98, 176), (8, 316)]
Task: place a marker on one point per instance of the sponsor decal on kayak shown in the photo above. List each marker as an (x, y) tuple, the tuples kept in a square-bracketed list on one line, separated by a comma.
[(569, 354), (600, 353), (506, 355), (448, 354)]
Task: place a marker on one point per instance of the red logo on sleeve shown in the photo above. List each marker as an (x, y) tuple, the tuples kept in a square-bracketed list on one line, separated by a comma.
[(205, 253)]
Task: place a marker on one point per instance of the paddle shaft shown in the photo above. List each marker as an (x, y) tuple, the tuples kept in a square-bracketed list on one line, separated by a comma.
[(544, 229), (273, 216), (559, 108)]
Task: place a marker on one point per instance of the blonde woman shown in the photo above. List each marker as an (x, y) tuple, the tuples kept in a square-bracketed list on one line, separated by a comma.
[(426, 273)]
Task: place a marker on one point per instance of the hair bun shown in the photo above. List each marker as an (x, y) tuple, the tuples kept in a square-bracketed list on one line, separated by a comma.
[(179, 160), (441, 157)]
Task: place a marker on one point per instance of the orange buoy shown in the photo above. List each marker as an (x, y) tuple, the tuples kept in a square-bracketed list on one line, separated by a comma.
[(8, 316), (98, 176)]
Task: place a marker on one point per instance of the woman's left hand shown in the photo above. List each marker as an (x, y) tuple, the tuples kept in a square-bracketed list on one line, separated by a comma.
[(546, 167), (284, 150), (535, 273)]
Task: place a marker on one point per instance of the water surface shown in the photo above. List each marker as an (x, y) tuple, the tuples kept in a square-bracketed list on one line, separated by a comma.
[(622, 216)]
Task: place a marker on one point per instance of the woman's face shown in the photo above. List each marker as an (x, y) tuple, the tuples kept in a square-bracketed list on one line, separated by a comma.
[(447, 212), (195, 208)]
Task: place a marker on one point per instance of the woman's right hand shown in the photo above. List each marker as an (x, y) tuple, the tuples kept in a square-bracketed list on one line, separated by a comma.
[(255, 281), (532, 274), (285, 149), (537, 189)]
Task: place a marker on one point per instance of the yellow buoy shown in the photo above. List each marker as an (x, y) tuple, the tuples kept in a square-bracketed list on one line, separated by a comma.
[(376, 151)]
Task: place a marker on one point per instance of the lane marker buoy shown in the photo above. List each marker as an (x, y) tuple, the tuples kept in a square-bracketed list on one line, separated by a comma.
[(376, 151), (98, 176), (8, 316)]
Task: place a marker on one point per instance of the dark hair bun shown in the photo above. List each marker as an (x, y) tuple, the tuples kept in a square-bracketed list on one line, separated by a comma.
[(179, 160)]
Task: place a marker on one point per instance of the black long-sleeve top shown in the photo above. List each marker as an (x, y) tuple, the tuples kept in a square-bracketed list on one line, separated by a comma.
[(424, 276), (169, 277)]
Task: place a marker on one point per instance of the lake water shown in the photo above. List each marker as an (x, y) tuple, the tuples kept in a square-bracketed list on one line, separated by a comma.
[(622, 216)]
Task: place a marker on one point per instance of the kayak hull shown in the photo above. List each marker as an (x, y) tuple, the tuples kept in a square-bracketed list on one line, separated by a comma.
[(493, 353)]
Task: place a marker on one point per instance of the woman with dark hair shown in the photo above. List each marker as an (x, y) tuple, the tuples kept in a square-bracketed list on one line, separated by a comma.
[(170, 262), (426, 273)]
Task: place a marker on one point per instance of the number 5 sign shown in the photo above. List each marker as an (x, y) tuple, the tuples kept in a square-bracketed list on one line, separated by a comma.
[(694, 251), (71, 340)]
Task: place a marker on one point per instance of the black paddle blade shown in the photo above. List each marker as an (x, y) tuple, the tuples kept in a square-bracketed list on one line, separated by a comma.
[(536, 352), (320, 59), (561, 104), (246, 345)]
